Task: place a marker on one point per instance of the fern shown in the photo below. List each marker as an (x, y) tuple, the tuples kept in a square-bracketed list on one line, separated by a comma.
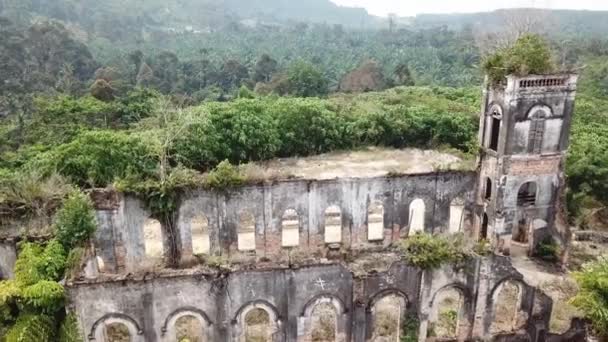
[(69, 330), (32, 328), (46, 296)]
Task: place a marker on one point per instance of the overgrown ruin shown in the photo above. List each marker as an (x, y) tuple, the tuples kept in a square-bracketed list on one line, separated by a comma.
[(309, 255)]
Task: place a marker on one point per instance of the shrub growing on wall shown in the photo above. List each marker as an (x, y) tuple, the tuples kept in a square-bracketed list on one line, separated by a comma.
[(529, 55), (429, 252), (75, 221)]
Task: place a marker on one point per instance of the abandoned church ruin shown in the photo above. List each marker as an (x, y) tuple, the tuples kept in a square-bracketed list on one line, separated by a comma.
[(311, 257)]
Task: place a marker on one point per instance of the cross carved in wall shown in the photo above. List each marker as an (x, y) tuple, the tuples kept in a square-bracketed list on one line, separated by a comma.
[(321, 283)]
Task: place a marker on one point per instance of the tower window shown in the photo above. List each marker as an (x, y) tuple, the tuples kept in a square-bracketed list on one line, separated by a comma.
[(483, 234), (488, 192), (495, 133), (537, 131), (526, 196)]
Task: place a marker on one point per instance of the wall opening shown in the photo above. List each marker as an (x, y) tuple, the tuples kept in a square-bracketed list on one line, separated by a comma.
[(333, 225), (116, 332), (189, 329), (488, 189), (387, 318), (257, 326), (526, 196), (416, 219), (290, 228), (483, 233), (507, 315), (246, 232), (323, 323), (456, 222), (153, 239), (537, 130), (200, 235), (520, 233), (375, 221), (447, 314), (494, 133), (101, 265)]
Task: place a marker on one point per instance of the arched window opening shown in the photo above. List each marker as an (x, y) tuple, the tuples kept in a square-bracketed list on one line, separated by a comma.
[(290, 225), (257, 326), (507, 315), (417, 211), (387, 318), (375, 222), (488, 189), (537, 131), (456, 222), (200, 235), (446, 315), (526, 196), (323, 323), (188, 329), (483, 234), (333, 225), (494, 133), (246, 232), (116, 332), (101, 266), (153, 239)]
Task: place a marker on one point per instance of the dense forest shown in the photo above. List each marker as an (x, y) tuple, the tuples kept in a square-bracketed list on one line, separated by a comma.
[(154, 96)]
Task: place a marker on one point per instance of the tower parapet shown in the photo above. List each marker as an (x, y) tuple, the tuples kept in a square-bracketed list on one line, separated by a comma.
[(524, 135)]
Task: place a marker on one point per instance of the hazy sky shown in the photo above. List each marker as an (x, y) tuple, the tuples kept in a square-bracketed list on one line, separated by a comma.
[(413, 7)]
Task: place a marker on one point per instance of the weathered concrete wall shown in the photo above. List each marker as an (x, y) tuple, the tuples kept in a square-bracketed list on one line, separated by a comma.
[(220, 301), (120, 238)]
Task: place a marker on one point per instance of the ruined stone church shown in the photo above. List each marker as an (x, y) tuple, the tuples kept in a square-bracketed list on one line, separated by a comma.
[(311, 257)]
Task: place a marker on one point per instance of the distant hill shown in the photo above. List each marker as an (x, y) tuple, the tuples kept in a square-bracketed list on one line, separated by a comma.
[(567, 23)]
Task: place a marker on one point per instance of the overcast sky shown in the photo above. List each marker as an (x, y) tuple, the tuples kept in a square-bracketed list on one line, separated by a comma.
[(413, 7)]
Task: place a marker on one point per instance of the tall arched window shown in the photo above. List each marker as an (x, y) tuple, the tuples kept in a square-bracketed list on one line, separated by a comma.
[(493, 122), (488, 189), (483, 234), (189, 328), (447, 313), (153, 239), (116, 332), (257, 326), (246, 231), (333, 224), (526, 196), (375, 221), (537, 131), (200, 235), (290, 228), (388, 314), (456, 215), (416, 218), (323, 323), (506, 313)]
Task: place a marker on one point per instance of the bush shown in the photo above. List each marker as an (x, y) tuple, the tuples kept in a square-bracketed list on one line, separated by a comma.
[(75, 221), (69, 330), (225, 175), (308, 126), (96, 159), (592, 298), (429, 252), (46, 296), (529, 55), (305, 80), (32, 327), (548, 250)]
